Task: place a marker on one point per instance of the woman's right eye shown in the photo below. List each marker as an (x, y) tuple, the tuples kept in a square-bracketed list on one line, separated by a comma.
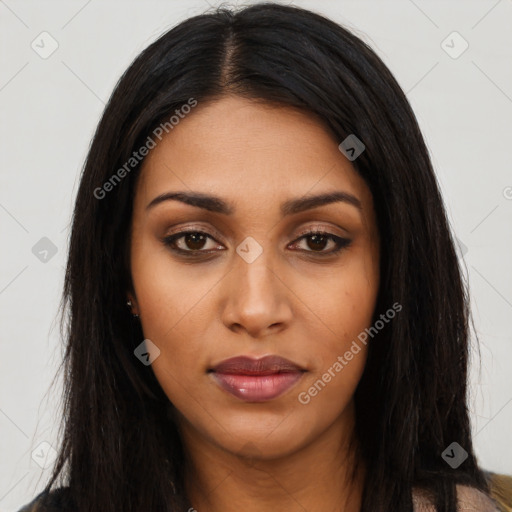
[(195, 240)]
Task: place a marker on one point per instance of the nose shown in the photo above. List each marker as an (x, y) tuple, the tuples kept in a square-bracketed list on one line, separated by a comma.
[(257, 298)]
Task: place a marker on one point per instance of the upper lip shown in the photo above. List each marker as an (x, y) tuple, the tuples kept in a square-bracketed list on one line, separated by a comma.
[(268, 365)]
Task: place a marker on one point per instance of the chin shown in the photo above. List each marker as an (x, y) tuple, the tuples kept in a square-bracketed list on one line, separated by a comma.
[(267, 437)]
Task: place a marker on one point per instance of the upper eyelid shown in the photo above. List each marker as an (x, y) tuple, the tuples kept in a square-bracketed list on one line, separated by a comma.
[(211, 231), (198, 229), (314, 229)]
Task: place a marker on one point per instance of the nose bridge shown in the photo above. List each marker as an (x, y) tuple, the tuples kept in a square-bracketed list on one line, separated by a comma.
[(254, 269), (256, 296)]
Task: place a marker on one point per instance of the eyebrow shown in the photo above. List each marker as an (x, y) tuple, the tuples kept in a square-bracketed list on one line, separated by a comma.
[(292, 206)]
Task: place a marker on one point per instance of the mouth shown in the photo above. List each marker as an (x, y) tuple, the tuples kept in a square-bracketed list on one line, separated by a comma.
[(256, 380)]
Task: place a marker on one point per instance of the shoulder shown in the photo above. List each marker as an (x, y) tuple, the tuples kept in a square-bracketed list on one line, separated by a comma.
[(56, 500), (501, 490), (469, 499)]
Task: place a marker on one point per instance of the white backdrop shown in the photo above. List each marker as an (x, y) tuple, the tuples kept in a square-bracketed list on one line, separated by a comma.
[(59, 64)]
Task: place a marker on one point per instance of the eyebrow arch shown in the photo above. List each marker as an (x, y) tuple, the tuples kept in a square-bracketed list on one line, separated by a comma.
[(217, 205)]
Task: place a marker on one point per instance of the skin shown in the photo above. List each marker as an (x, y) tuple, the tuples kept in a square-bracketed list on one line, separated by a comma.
[(290, 301)]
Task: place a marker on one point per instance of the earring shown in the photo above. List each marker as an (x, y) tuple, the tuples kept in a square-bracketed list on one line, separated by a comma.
[(129, 304)]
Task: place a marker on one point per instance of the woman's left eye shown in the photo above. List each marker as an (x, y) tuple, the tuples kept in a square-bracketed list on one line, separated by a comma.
[(194, 242), (319, 239)]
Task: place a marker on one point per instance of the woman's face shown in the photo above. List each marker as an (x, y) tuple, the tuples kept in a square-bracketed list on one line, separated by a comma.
[(253, 285)]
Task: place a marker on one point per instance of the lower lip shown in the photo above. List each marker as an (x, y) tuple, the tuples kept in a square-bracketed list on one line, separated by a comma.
[(252, 388)]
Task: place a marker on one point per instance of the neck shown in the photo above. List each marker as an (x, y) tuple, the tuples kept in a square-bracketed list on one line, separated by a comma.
[(317, 477)]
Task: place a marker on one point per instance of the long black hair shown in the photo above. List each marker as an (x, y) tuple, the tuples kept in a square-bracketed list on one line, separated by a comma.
[(120, 447)]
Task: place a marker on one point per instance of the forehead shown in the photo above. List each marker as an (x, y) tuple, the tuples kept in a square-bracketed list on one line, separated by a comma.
[(251, 153)]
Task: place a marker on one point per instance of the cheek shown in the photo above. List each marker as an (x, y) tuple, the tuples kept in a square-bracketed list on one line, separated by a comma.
[(342, 301), (168, 293), (343, 308), (166, 296), (340, 354)]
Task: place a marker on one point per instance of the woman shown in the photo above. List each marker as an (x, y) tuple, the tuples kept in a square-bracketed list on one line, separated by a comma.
[(259, 194)]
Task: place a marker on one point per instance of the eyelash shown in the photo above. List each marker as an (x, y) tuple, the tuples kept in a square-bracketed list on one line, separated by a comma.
[(341, 243)]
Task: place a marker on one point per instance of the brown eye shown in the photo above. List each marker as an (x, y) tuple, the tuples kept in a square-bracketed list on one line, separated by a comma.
[(317, 241), (193, 241)]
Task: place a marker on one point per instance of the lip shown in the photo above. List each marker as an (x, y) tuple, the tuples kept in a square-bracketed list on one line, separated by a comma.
[(256, 380)]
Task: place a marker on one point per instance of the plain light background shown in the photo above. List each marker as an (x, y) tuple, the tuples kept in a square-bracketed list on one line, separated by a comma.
[(49, 108)]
